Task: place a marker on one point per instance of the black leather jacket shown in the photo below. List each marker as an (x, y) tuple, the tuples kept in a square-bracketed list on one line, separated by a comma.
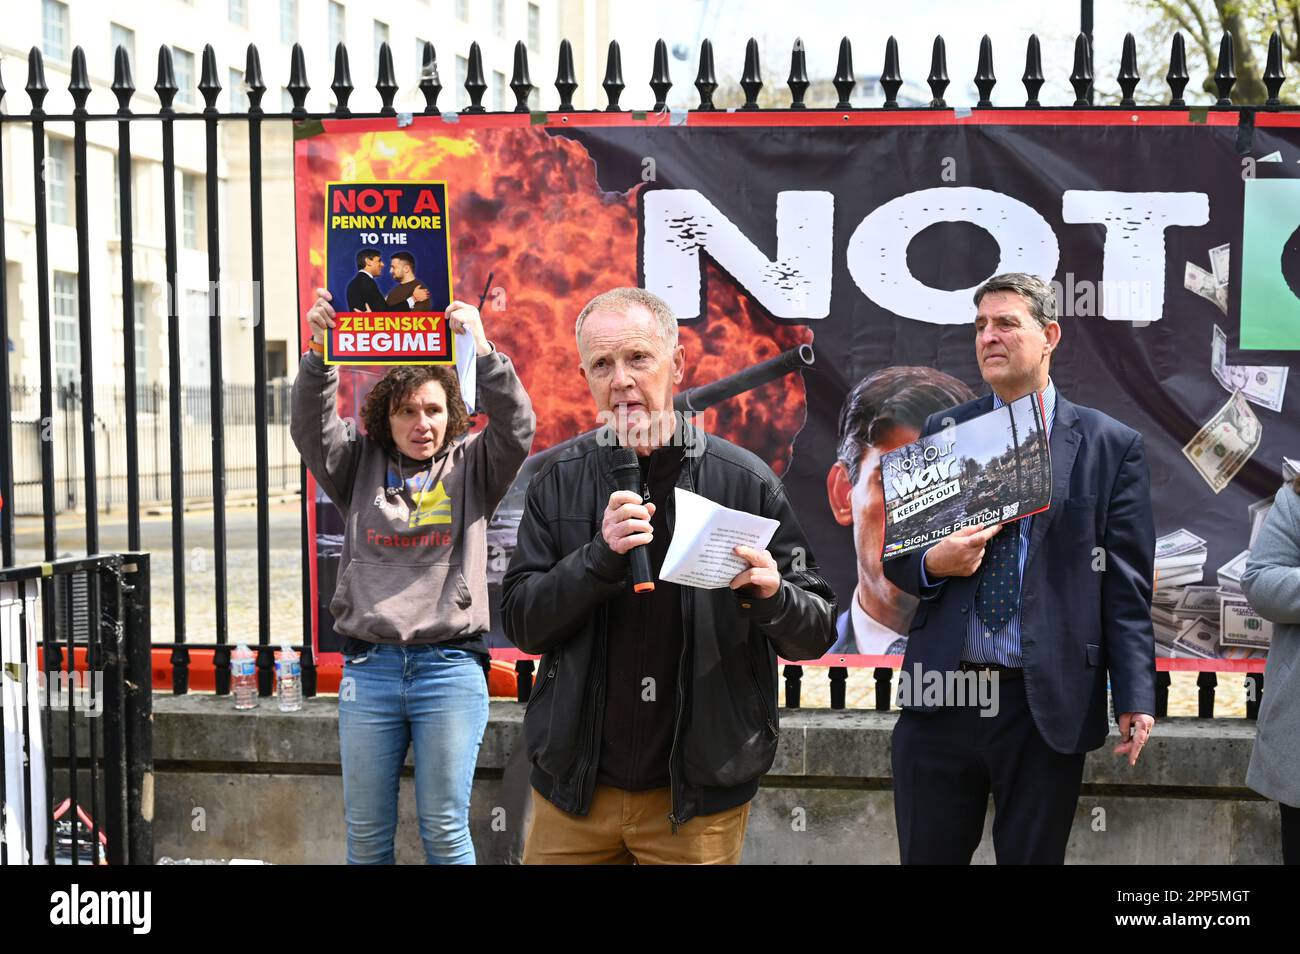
[(554, 599)]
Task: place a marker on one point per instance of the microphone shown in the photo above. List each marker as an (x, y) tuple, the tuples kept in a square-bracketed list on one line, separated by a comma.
[(627, 476)]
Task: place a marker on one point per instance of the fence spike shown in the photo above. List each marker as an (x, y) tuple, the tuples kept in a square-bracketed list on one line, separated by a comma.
[(565, 81), (475, 83), (386, 82), (430, 84), (165, 86), (1033, 78), (1177, 75), (1274, 76), (660, 80), (253, 81), (36, 88), (209, 85), (1128, 71), (520, 82), (844, 80), (984, 78), (342, 82), (1225, 75), (938, 78), (613, 82), (79, 81), (798, 81), (123, 85), (891, 80), (705, 81), (751, 78), (1081, 78), (298, 86)]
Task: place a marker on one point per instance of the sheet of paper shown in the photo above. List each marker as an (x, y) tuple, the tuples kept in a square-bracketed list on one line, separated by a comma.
[(466, 369), (704, 534)]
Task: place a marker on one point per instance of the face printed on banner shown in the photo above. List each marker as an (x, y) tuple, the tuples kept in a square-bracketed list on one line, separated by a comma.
[(631, 373), (374, 266), (1011, 347), (868, 499), (400, 269), (419, 422), (862, 505)]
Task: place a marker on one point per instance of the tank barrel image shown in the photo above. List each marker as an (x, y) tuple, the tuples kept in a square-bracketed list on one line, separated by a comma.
[(703, 396)]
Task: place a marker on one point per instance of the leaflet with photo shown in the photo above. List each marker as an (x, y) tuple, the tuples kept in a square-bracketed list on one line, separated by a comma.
[(994, 468)]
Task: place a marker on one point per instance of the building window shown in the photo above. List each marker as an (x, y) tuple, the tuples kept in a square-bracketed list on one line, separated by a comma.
[(183, 67), (124, 38), (54, 23), (238, 12), (419, 58), (117, 196), (140, 310), (462, 75), (381, 37), (498, 91), (196, 366), (337, 22), (189, 210), (534, 27), (58, 179), (462, 11), (499, 17), (67, 353), (238, 95), (288, 20)]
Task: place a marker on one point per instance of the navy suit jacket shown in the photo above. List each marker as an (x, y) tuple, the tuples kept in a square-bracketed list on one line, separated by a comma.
[(1077, 622), (364, 290)]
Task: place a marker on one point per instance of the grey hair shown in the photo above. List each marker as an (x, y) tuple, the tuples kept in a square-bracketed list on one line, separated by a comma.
[(619, 300), (1038, 294)]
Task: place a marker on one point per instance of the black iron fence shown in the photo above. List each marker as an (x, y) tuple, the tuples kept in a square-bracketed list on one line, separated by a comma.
[(152, 438), (75, 656), (189, 466)]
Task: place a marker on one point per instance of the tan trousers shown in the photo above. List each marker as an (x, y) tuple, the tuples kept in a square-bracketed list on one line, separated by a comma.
[(625, 828)]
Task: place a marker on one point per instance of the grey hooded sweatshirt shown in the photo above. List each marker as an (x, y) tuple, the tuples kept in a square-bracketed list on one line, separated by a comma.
[(414, 564)]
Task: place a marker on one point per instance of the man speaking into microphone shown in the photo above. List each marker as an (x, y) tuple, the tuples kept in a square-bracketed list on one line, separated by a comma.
[(655, 710)]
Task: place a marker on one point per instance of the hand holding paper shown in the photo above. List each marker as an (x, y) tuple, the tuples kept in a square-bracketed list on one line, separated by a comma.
[(762, 580), (703, 549)]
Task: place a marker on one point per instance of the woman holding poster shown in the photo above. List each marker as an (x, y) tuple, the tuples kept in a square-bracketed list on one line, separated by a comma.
[(416, 491)]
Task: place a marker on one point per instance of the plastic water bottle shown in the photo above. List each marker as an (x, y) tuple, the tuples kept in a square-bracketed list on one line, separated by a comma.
[(243, 677), (288, 679)]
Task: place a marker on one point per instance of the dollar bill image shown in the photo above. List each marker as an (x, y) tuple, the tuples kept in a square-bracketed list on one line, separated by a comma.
[(1241, 626), (1261, 384), (1223, 445)]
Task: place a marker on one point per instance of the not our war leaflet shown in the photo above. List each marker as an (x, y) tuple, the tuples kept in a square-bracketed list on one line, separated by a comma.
[(992, 468), (388, 270)]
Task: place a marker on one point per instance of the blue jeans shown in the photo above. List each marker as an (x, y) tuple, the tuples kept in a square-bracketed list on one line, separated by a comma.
[(389, 697)]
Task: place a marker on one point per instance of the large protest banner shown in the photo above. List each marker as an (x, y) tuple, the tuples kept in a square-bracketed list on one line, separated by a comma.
[(863, 236)]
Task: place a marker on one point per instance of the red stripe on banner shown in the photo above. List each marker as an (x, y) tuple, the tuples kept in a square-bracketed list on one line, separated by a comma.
[(1281, 120), (856, 661), (1062, 116), (923, 116), (1210, 665)]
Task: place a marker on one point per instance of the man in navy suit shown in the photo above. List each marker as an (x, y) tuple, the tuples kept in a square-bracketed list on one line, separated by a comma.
[(1040, 610), (363, 293)]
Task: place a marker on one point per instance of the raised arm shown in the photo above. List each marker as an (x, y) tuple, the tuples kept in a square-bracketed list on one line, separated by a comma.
[(328, 447), (504, 444)]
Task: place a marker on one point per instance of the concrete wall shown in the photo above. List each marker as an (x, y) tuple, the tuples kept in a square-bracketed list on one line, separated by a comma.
[(266, 785)]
